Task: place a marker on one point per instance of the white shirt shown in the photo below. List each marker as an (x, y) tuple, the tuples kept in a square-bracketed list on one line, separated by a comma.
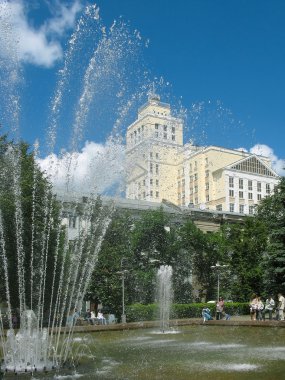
[(281, 300)]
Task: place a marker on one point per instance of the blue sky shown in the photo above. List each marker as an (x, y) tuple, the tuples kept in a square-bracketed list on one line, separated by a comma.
[(221, 62)]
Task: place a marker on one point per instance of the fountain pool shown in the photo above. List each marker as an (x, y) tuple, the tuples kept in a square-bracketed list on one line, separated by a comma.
[(221, 352)]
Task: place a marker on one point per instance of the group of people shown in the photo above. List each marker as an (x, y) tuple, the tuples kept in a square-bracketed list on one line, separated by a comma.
[(89, 316), (92, 319), (258, 309)]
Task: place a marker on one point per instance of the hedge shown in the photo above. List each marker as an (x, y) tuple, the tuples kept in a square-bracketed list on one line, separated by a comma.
[(138, 312)]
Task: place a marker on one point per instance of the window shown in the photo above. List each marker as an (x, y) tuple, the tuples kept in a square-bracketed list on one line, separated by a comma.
[(251, 210), (207, 173), (196, 200), (259, 197), (195, 165), (173, 137), (240, 194), (144, 182), (157, 182), (259, 187), (196, 189), (231, 193), (249, 185), (250, 196), (207, 186), (173, 129), (150, 154), (240, 183), (219, 208), (151, 167), (165, 136), (156, 168), (156, 134), (207, 198), (241, 209), (157, 194), (156, 126), (72, 222), (156, 156), (231, 181), (151, 193), (151, 181), (165, 127), (267, 188), (195, 176), (232, 207), (144, 194)]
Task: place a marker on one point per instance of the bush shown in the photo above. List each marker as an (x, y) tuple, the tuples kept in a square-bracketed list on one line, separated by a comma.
[(139, 312)]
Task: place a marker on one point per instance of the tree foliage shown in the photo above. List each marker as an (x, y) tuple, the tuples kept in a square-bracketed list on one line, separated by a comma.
[(30, 224), (271, 212)]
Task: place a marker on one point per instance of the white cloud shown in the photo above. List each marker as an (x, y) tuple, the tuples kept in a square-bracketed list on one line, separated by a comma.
[(39, 46), (96, 169), (278, 164)]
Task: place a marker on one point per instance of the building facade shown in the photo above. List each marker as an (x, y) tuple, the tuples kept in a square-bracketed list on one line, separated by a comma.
[(161, 167)]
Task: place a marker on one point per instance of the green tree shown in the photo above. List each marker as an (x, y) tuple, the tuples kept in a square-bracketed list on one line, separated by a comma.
[(189, 263), (271, 212), (31, 231), (152, 244), (115, 255)]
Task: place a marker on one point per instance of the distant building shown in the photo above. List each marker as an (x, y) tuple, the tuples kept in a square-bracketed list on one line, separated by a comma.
[(161, 167)]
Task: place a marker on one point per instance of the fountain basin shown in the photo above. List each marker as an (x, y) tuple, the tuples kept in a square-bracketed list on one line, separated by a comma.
[(196, 351)]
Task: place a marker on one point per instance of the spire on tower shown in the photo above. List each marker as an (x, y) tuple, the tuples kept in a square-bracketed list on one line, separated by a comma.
[(152, 96)]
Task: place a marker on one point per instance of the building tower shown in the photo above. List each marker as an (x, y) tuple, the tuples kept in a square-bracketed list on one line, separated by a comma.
[(153, 150)]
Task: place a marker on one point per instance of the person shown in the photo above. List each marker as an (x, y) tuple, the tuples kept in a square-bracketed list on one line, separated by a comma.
[(206, 314), (259, 309), (101, 318), (93, 318), (269, 306), (253, 306), (69, 319), (88, 315), (280, 307), (220, 308)]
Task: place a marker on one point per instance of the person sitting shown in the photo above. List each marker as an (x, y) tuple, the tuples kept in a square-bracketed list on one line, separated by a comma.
[(206, 314), (87, 316), (93, 318), (101, 318)]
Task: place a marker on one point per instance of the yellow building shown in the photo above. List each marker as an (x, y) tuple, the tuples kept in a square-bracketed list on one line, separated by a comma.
[(160, 167)]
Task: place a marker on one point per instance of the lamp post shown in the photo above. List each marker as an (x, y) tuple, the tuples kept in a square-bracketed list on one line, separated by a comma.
[(123, 272), (218, 267)]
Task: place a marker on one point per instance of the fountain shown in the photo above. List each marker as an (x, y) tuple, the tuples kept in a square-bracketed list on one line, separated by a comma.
[(53, 272), (165, 295)]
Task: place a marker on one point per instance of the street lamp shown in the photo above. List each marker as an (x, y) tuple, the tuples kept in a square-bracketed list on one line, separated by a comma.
[(218, 267), (123, 272)]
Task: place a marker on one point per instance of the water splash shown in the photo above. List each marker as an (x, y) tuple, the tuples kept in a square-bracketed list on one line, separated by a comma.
[(165, 295)]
